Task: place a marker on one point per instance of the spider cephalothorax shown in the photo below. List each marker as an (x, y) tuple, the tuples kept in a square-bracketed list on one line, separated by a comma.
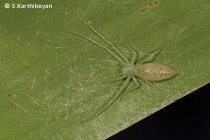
[(128, 70), (146, 70)]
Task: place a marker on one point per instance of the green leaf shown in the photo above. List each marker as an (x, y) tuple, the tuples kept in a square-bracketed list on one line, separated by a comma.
[(39, 100)]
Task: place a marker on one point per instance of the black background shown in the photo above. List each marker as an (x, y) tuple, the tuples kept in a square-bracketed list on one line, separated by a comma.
[(187, 118)]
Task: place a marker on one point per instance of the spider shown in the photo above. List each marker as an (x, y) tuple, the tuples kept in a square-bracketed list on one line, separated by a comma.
[(145, 70)]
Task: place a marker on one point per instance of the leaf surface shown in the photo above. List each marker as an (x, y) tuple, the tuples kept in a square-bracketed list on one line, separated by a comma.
[(44, 94)]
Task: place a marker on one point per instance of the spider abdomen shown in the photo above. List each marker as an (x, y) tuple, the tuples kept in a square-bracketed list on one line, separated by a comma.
[(154, 71)]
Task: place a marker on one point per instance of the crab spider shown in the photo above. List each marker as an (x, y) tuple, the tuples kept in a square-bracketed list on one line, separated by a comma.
[(146, 70)]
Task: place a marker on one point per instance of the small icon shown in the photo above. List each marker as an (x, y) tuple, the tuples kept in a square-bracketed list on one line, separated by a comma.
[(6, 5)]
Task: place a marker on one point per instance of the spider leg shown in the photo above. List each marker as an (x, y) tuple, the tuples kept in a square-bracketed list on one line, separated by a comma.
[(113, 79), (107, 80), (133, 88), (152, 85), (98, 44), (135, 54), (151, 56), (115, 96), (107, 41)]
